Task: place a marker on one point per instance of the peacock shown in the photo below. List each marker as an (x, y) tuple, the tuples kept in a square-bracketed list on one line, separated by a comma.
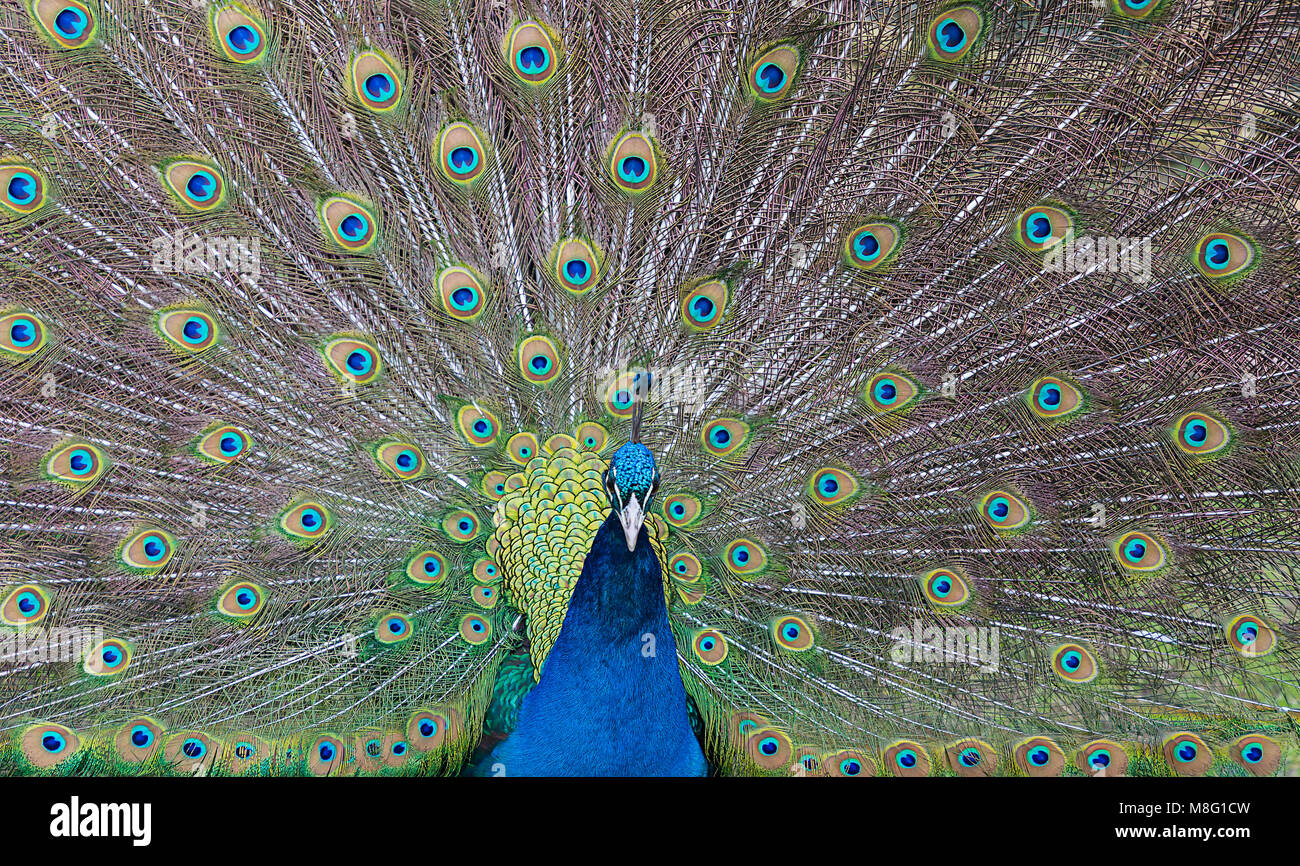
[(649, 388)]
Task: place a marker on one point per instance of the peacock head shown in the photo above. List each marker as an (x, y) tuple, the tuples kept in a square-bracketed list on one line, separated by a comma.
[(630, 484)]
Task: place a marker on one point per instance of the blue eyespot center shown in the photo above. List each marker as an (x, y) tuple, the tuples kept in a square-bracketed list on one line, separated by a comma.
[(359, 362), (576, 271), (71, 22), (532, 60), (379, 87), (1186, 751), (326, 751), (464, 298), (53, 742), (951, 35), (243, 39), (633, 169), (193, 748), (141, 736), (1253, 753), (22, 188), (201, 186), (463, 160), (81, 462), (906, 759), (866, 246), (22, 333), (1216, 254), (354, 226), (195, 330), (770, 78)]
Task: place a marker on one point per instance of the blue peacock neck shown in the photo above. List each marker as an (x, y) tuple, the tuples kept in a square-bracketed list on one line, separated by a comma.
[(610, 701)]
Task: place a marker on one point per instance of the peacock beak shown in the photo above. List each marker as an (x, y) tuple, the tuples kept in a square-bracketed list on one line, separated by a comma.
[(631, 516)]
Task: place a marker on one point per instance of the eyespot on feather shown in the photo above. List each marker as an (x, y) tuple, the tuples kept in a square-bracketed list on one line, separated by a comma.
[(1219, 255), (532, 53), (681, 509), (427, 567), (1003, 511), (108, 658), (703, 305), (1200, 434), (1187, 754), (907, 758), (22, 334), (241, 600), (1074, 663), (710, 647), (306, 521), (869, 246), (352, 359), (376, 81), (945, 587), (148, 550), (539, 360), (953, 34), (462, 157), (1260, 755), (1039, 757), (69, 24), (793, 633), (1251, 636), (138, 740), (25, 605), (773, 74), (76, 463), (401, 460), (240, 35), (632, 163), (198, 186), (46, 745), (744, 556), (190, 330), (1101, 758), (461, 525), (1139, 551), (575, 265), (890, 391), (462, 293), (724, 437), (223, 444), (1053, 398), (522, 447), (351, 225), (1043, 226), (25, 189), (972, 757)]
